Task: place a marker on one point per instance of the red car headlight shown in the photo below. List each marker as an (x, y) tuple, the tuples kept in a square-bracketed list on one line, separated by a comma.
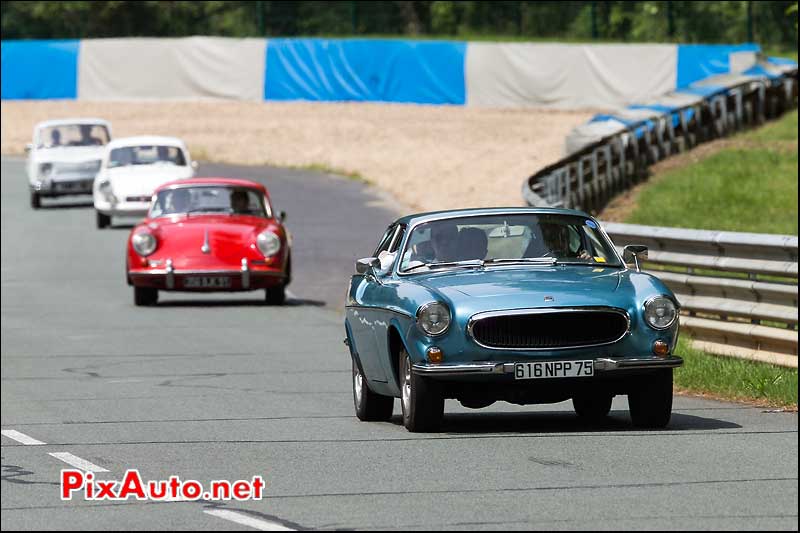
[(268, 243), (144, 243)]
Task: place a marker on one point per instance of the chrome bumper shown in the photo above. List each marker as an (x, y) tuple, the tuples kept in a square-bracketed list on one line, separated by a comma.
[(600, 365), (245, 273)]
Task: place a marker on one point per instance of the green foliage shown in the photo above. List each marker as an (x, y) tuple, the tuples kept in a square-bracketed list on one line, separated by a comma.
[(774, 22), (751, 186), (735, 378)]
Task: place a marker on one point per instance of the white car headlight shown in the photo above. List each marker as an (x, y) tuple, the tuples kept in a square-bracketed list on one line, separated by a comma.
[(268, 243), (144, 243), (433, 318), (660, 312), (107, 191), (45, 169)]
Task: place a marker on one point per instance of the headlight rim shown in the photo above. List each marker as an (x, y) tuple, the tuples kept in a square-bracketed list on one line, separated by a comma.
[(136, 247), (277, 240), (660, 297), (425, 307)]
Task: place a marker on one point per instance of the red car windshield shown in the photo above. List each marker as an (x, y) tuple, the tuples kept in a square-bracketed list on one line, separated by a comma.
[(209, 199)]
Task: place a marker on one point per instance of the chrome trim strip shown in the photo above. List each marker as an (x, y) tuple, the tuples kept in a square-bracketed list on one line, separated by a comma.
[(600, 364), (381, 309), (170, 271), (245, 274), (544, 310), (162, 272), (206, 248)]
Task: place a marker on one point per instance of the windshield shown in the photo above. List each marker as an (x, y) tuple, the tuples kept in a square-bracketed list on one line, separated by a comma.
[(72, 135), (209, 199), (506, 239), (146, 155)]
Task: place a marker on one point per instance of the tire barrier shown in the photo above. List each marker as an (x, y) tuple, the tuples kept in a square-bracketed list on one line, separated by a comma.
[(738, 291), (590, 176)]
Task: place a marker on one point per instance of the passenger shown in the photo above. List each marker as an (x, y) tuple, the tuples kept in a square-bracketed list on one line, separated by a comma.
[(444, 241), (472, 244), (240, 202), (55, 135)]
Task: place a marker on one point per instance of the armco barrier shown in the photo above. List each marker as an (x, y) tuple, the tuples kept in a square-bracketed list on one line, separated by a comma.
[(738, 291), (589, 177)]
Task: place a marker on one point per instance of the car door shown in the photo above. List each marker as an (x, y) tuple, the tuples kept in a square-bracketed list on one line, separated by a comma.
[(363, 306)]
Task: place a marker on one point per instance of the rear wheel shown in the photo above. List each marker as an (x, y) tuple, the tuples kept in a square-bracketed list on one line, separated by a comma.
[(592, 407), (145, 296), (276, 295), (103, 221), (422, 400), (36, 200), (370, 407), (651, 402)]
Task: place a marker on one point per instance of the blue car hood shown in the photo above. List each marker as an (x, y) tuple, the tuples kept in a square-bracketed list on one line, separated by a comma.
[(514, 287)]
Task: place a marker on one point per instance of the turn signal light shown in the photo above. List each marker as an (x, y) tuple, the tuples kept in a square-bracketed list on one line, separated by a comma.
[(661, 348), (435, 355)]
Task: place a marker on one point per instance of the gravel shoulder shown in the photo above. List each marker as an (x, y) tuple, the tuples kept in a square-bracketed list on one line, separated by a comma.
[(427, 157)]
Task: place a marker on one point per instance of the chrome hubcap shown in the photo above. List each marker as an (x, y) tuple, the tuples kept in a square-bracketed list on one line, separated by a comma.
[(358, 382), (406, 385)]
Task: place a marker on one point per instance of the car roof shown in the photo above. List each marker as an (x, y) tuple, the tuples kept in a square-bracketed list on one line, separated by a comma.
[(419, 218), (70, 122), (146, 140), (228, 182)]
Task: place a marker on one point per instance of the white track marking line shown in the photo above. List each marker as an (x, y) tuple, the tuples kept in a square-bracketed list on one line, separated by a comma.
[(77, 462), (246, 520), (21, 437)]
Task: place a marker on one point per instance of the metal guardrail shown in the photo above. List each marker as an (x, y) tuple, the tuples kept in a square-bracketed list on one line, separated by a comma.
[(738, 291), (590, 177)]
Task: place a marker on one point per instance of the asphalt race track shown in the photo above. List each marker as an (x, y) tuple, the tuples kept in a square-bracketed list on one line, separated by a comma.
[(222, 387)]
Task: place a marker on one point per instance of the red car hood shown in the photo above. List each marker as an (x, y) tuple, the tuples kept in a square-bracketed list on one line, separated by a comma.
[(229, 239)]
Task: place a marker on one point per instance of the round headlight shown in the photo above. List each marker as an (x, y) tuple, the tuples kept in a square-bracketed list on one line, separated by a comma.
[(45, 168), (660, 312), (268, 243), (144, 243), (433, 318)]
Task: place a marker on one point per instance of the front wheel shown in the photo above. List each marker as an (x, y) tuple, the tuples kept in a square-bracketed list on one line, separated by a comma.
[(36, 200), (370, 407), (276, 295), (422, 400), (103, 221), (145, 296), (592, 407), (651, 402)]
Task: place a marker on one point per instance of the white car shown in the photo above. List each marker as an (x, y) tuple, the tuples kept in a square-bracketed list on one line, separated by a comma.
[(65, 156), (132, 168)]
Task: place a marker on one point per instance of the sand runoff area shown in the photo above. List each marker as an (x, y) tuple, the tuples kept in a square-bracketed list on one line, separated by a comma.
[(426, 157)]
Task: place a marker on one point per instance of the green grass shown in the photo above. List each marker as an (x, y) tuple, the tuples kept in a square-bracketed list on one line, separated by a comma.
[(735, 379), (752, 187), (325, 169)]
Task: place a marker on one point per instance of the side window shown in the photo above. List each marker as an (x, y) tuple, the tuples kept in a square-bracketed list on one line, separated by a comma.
[(386, 240)]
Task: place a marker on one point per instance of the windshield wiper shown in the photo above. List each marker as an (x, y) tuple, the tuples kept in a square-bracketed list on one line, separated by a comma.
[(533, 260), (209, 210), (446, 264)]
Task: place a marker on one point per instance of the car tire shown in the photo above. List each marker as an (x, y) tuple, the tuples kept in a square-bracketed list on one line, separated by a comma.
[(421, 399), (370, 407), (36, 200), (592, 407), (103, 221), (145, 296), (275, 295), (651, 402)]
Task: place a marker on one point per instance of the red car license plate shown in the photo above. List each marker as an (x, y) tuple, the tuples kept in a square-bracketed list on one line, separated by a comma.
[(207, 282)]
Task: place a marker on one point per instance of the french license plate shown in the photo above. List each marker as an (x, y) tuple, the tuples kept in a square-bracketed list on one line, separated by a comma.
[(554, 369), (207, 282)]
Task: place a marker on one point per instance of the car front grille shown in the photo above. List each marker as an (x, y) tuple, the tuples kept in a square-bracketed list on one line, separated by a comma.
[(137, 198), (549, 329)]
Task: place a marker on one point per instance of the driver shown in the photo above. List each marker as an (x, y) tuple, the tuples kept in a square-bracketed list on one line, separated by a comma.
[(56, 138), (556, 239), (444, 241), (240, 202)]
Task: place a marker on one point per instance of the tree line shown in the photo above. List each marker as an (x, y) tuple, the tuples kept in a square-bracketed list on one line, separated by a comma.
[(771, 23)]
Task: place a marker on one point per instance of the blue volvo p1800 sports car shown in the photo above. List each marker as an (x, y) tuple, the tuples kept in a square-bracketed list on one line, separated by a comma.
[(522, 305)]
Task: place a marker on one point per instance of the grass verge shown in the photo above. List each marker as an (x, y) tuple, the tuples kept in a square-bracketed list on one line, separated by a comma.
[(728, 378), (749, 186)]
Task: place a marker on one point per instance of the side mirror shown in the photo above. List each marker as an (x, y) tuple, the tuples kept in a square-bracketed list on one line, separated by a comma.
[(28, 148), (633, 253), (282, 216), (367, 265)]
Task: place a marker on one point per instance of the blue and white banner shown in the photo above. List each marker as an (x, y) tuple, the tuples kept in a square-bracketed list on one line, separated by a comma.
[(572, 76)]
